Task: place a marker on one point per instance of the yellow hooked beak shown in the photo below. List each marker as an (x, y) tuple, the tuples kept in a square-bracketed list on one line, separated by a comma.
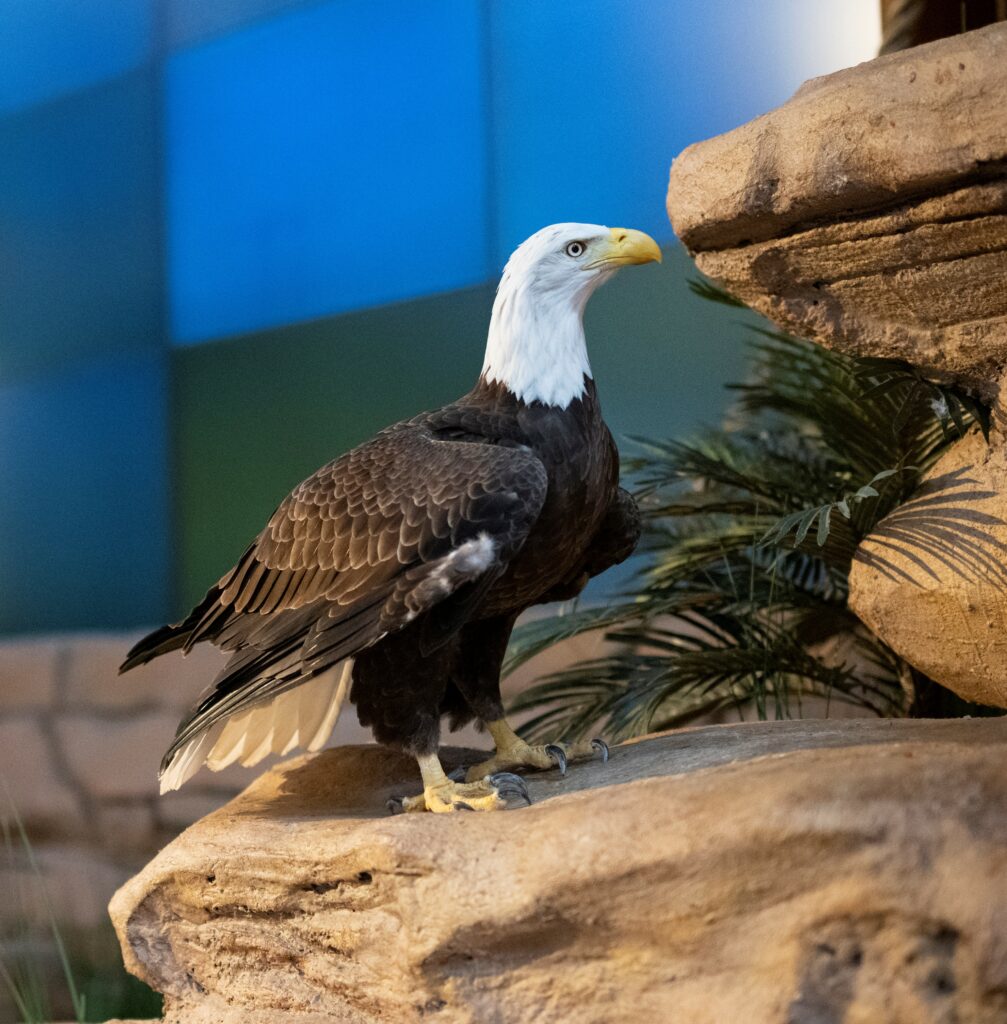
[(624, 247)]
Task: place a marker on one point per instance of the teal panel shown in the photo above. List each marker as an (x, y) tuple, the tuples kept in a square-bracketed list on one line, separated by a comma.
[(85, 497), (79, 228), (257, 414), (660, 354)]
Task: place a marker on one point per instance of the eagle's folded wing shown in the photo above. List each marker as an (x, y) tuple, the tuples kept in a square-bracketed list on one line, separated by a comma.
[(359, 550)]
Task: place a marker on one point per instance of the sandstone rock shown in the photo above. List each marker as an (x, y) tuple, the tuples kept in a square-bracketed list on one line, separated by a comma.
[(870, 211), (782, 873), (931, 580)]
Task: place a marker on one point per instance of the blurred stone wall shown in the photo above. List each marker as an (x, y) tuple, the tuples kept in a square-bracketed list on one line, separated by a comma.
[(79, 752)]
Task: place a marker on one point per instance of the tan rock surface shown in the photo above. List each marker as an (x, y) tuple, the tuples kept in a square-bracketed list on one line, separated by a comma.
[(931, 580), (870, 211), (796, 872)]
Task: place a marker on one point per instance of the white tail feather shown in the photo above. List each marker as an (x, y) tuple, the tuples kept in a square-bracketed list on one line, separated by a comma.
[(302, 717), (327, 722), (189, 759)]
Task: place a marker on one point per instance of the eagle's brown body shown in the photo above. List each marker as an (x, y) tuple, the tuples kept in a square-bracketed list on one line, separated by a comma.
[(576, 450), (345, 566), (586, 523)]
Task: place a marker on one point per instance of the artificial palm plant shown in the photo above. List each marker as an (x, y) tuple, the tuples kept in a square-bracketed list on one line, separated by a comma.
[(751, 529)]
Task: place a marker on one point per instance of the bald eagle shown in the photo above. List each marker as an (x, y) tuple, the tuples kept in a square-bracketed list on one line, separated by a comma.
[(396, 572)]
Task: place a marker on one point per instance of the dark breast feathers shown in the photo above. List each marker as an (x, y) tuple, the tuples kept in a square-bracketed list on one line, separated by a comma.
[(481, 508)]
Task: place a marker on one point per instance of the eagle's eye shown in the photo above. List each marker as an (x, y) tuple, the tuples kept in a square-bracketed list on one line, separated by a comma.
[(575, 249)]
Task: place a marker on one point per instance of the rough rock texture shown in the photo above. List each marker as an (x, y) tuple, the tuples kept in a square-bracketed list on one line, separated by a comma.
[(870, 211), (931, 579), (793, 873)]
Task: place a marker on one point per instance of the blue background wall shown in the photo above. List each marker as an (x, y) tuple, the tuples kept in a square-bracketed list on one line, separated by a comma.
[(238, 235)]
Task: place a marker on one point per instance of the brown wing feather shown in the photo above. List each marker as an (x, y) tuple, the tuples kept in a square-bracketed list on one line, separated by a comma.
[(404, 497), (358, 550)]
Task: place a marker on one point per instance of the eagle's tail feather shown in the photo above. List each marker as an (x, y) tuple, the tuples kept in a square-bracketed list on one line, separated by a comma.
[(161, 641), (177, 636), (303, 716)]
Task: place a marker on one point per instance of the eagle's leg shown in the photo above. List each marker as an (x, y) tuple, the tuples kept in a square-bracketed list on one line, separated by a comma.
[(441, 794), (513, 752)]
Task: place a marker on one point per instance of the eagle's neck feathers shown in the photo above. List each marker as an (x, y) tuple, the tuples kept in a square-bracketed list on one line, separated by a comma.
[(536, 346)]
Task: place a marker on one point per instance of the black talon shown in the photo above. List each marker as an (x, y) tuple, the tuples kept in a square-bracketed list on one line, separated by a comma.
[(508, 778), (558, 754), (510, 787), (394, 805), (458, 775), (521, 794), (508, 784), (601, 746)]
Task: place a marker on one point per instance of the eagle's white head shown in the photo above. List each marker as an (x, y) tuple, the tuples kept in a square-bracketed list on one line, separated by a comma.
[(536, 346)]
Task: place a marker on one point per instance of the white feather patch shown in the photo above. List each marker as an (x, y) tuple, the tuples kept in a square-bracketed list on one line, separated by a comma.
[(536, 345), (302, 717)]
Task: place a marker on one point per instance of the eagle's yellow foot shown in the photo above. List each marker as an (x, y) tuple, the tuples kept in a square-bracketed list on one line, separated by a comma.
[(443, 795), (512, 752)]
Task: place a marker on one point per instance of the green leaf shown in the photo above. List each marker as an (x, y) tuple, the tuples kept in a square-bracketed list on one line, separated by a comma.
[(708, 290), (804, 524), (886, 473), (979, 413), (823, 526)]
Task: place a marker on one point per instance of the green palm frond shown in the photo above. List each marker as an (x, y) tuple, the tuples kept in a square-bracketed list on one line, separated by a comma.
[(706, 289), (750, 531), (536, 636), (664, 675), (849, 507)]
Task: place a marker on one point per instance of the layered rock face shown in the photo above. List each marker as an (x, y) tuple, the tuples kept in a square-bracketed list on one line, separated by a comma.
[(869, 213), (784, 873)]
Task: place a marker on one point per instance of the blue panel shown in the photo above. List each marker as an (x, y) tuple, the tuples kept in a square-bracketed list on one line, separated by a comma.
[(84, 502), (327, 159), (189, 21), (51, 47), (590, 107), (79, 228)]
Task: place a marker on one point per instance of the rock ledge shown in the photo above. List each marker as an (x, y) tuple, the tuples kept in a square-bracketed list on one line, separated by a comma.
[(784, 872), (869, 212)]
